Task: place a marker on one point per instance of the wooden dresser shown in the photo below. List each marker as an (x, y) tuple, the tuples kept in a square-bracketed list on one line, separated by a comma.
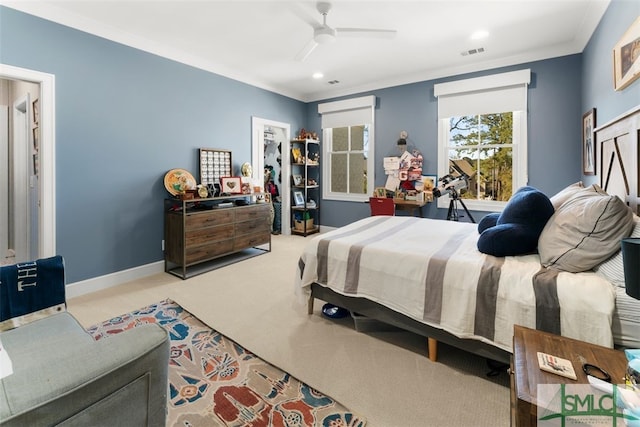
[(195, 231)]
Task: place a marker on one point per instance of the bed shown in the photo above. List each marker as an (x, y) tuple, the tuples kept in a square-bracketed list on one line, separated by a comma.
[(427, 276)]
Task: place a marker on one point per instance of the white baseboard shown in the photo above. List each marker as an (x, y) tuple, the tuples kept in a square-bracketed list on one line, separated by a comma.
[(113, 279)]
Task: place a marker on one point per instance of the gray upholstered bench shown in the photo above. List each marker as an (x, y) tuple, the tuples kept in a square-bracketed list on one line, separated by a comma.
[(61, 376)]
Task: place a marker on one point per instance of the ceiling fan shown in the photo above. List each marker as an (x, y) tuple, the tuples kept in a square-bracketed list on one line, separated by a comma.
[(323, 33)]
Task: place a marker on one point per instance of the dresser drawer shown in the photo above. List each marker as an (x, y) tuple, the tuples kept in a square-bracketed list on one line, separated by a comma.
[(252, 213), (249, 227), (202, 236), (198, 220), (205, 252), (250, 240)]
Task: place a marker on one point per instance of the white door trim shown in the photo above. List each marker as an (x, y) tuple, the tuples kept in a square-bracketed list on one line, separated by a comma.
[(47, 220), (257, 163), (4, 180)]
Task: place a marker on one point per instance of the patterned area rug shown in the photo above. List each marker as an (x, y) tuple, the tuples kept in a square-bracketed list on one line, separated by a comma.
[(214, 381)]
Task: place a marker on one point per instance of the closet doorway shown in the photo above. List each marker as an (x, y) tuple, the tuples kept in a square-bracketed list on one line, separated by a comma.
[(27, 164), (270, 160)]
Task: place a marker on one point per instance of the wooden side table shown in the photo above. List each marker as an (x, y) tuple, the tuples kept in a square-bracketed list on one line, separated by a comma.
[(411, 206), (526, 374)]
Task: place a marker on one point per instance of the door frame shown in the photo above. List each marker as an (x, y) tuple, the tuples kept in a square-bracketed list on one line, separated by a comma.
[(20, 178), (4, 179), (47, 150), (257, 163)]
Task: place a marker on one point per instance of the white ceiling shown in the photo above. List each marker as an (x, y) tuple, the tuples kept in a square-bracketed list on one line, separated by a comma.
[(256, 41)]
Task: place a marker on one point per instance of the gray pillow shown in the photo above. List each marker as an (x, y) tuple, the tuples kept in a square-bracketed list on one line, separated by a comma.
[(565, 194), (584, 231)]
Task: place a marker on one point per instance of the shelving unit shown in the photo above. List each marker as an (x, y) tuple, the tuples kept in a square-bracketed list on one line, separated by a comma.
[(305, 186), (198, 232)]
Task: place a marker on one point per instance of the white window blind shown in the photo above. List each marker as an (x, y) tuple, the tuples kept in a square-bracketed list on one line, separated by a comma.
[(483, 95), (349, 112)]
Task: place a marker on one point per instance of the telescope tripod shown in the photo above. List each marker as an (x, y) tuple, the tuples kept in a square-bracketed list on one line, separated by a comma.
[(452, 214)]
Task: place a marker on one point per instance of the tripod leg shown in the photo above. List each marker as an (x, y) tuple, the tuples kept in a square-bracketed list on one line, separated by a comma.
[(450, 210), (467, 211), (452, 215)]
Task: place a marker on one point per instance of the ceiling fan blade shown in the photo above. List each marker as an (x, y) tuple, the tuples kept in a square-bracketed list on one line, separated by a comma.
[(306, 51), (366, 32), (303, 14)]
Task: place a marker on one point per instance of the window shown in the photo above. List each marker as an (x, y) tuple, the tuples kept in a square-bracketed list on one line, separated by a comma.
[(348, 148), (482, 136)]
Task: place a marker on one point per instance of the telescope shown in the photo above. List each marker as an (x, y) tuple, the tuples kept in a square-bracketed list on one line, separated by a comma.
[(450, 184)]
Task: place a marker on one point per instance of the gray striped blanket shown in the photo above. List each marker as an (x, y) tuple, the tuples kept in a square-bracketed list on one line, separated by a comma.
[(432, 271)]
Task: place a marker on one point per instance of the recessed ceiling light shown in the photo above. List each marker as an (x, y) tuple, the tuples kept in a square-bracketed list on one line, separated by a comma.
[(482, 34), (318, 75)]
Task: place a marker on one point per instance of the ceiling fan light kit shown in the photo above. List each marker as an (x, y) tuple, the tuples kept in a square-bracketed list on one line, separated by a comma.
[(324, 35)]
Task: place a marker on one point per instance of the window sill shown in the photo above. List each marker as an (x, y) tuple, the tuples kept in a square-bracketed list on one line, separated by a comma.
[(474, 205)]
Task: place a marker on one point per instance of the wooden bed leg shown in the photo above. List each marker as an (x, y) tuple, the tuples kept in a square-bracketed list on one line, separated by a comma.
[(433, 349), (310, 305)]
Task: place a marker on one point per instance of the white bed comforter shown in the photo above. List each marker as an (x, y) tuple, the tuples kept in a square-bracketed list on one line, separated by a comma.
[(432, 271)]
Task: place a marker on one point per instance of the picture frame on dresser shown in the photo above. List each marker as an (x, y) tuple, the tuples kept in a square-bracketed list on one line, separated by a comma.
[(588, 142), (231, 185), (214, 164)]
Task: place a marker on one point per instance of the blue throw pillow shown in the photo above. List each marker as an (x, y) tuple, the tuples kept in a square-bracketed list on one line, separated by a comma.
[(489, 220), (518, 227)]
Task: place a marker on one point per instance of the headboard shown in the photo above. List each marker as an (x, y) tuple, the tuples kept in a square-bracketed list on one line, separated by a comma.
[(619, 148)]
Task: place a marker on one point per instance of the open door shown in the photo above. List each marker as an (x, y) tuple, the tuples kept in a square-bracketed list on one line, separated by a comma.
[(270, 141)]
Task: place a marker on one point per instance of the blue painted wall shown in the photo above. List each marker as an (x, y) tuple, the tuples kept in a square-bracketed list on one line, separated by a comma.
[(124, 118)]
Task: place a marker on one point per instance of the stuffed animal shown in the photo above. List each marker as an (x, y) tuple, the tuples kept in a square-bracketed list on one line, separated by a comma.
[(516, 230)]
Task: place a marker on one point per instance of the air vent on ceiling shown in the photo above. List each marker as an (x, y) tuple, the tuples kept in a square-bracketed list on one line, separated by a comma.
[(472, 51), (333, 82)]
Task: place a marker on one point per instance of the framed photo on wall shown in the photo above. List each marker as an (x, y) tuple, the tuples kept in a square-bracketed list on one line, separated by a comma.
[(588, 142), (231, 184), (626, 57)]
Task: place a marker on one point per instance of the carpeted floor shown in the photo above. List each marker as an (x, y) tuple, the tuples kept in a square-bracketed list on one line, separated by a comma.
[(214, 381), (384, 376)]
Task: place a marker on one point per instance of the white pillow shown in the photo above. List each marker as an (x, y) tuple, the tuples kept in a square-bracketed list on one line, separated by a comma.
[(613, 269)]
